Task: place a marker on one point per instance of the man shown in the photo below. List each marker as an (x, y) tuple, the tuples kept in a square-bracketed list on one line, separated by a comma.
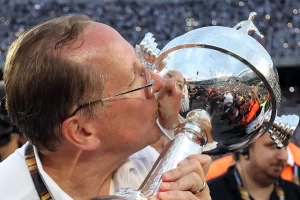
[(252, 108), (77, 91), (290, 173), (228, 100), (214, 99), (256, 175), (227, 105)]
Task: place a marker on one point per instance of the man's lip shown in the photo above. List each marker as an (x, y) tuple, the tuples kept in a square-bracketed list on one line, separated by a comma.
[(276, 165), (279, 166)]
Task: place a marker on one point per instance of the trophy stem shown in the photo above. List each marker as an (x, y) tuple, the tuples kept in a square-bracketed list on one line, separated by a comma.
[(189, 139)]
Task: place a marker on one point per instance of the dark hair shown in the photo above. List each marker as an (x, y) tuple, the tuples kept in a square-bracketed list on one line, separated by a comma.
[(42, 88), (236, 156), (244, 152)]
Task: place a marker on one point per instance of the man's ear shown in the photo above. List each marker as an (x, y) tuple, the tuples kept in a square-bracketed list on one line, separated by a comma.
[(79, 131)]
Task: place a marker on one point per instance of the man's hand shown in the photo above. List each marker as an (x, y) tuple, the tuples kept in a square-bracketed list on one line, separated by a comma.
[(169, 99), (185, 181)]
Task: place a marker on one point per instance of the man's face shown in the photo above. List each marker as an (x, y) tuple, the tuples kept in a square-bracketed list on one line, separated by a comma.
[(127, 122), (266, 159)]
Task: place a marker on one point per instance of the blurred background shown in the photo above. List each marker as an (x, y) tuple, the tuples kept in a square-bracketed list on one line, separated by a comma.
[(277, 20)]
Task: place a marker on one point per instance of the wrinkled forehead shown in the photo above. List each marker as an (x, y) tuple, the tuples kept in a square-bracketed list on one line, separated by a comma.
[(104, 49)]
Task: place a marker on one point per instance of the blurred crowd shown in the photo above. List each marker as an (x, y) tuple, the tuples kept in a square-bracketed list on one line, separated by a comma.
[(277, 20), (234, 107)]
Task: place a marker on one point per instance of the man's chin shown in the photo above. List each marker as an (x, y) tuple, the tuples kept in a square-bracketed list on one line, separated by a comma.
[(273, 175)]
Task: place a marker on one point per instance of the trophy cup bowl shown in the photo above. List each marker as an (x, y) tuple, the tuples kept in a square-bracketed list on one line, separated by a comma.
[(226, 73), (231, 76), (229, 80)]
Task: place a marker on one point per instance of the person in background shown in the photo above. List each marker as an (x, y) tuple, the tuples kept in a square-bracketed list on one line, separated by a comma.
[(252, 108), (290, 173), (228, 100), (256, 175)]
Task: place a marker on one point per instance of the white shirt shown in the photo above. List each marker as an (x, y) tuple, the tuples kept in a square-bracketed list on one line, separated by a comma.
[(16, 182)]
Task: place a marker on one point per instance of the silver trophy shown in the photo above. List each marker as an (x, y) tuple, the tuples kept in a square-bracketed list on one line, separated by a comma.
[(283, 128), (229, 81)]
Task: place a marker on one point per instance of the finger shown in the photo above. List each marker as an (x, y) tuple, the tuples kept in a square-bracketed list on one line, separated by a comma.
[(205, 193), (191, 182), (174, 83), (155, 197), (204, 161), (177, 195), (170, 85), (192, 165), (183, 162)]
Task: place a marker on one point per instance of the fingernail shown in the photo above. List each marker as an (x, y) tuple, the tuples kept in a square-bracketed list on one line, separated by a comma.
[(183, 161), (166, 185), (162, 195), (168, 174)]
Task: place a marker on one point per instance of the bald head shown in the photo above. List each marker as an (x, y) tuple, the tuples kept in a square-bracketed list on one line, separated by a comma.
[(96, 40)]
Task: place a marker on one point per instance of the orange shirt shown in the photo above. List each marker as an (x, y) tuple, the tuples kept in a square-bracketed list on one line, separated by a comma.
[(253, 108), (288, 172), (220, 166)]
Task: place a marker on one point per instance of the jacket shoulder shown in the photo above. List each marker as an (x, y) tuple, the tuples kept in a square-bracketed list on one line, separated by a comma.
[(223, 187)]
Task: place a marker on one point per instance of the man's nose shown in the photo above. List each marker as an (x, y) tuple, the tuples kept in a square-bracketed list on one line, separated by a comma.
[(157, 85), (282, 154)]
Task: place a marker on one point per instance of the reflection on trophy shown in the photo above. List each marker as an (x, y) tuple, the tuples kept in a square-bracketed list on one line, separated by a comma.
[(230, 82)]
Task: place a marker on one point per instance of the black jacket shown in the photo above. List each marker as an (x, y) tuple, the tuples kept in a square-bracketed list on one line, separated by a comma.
[(225, 187)]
